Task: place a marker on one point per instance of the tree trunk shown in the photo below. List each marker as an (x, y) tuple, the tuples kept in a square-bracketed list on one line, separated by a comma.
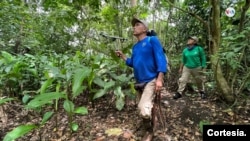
[(133, 3), (222, 84)]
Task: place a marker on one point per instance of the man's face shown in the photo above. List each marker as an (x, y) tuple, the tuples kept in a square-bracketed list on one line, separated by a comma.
[(191, 41), (139, 28)]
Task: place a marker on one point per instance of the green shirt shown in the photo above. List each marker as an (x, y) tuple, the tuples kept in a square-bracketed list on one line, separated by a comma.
[(193, 58)]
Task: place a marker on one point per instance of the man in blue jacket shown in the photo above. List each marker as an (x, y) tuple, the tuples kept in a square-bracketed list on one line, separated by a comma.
[(149, 64)]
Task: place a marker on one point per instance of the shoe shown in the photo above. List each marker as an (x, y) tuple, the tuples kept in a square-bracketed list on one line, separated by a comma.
[(147, 124), (203, 95), (177, 95)]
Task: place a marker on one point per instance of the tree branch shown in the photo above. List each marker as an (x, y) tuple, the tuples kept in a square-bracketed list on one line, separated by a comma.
[(190, 13), (243, 15)]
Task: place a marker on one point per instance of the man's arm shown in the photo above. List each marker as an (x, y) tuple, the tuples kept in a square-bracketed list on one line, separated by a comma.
[(159, 81), (121, 55), (181, 68), (127, 60)]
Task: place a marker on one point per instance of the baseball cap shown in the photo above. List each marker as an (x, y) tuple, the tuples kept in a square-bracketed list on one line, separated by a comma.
[(194, 38), (136, 20)]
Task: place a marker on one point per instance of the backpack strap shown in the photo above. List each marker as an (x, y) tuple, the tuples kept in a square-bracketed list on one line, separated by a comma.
[(149, 40)]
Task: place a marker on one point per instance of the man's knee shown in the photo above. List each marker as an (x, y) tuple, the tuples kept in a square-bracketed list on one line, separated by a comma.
[(145, 110)]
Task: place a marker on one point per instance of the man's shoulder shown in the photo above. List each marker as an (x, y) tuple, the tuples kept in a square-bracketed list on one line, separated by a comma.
[(153, 37), (198, 46)]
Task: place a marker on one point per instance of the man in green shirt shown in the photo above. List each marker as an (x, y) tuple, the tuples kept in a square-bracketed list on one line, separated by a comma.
[(193, 62)]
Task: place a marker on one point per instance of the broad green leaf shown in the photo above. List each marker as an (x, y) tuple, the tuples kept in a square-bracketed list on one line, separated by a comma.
[(100, 93), (46, 117), (99, 82), (68, 106), (81, 110), (119, 98), (46, 98), (118, 92), (109, 84), (5, 100), (122, 78), (119, 103), (79, 91), (74, 126), (78, 78), (18, 132), (238, 49), (45, 85), (26, 98), (7, 56), (230, 55)]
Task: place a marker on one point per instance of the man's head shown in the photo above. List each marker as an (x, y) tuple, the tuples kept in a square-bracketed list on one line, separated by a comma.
[(192, 40), (139, 26)]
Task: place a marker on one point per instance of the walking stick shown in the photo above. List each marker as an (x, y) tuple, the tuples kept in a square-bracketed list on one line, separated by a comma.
[(157, 111)]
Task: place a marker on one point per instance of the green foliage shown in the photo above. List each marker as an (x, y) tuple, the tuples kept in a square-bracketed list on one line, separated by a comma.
[(16, 72), (26, 98), (109, 13), (119, 98), (234, 56), (4, 100), (68, 106), (202, 123), (81, 110), (74, 126), (45, 98), (45, 85), (19, 132), (46, 117), (78, 78)]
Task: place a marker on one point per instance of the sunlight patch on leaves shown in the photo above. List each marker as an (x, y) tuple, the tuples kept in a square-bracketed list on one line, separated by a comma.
[(229, 111), (114, 132)]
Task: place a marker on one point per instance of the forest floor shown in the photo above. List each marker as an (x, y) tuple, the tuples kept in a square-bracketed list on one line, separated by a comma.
[(183, 118)]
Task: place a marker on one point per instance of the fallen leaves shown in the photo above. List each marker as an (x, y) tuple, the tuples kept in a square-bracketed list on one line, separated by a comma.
[(105, 123)]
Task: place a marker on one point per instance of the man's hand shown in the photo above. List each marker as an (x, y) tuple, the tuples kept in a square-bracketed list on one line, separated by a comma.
[(158, 85), (180, 70), (159, 82), (120, 54)]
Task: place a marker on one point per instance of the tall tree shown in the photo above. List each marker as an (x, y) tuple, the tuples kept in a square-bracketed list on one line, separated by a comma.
[(215, 44)]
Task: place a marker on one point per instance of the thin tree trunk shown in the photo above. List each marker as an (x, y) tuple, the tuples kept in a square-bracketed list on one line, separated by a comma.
[(243, 15), (133, 3), (216, 41)]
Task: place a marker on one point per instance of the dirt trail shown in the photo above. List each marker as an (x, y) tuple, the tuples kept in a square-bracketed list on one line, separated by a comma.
[(104, 123)]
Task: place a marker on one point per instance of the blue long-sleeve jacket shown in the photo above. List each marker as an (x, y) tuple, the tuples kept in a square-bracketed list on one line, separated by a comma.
[(147, 60)]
